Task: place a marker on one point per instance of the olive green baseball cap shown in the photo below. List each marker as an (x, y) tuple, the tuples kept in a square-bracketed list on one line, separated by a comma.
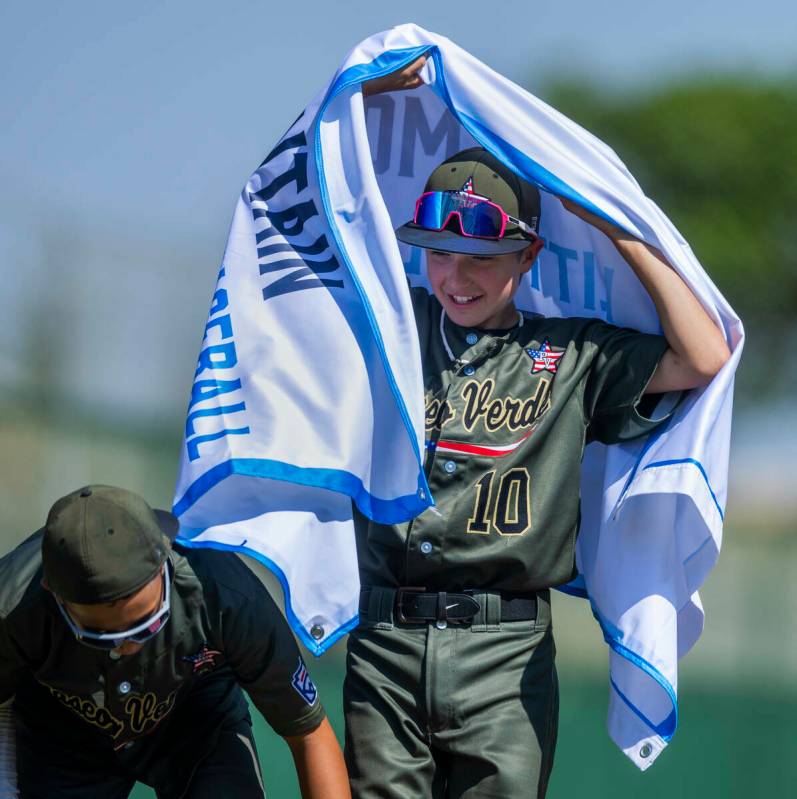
[(478, 171), (103, 543)]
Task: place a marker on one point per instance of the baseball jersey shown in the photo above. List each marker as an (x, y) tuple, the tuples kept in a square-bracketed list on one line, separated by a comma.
[(223, 626), (508, 414)]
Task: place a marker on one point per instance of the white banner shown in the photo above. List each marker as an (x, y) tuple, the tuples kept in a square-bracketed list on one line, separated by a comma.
[(309, 393)]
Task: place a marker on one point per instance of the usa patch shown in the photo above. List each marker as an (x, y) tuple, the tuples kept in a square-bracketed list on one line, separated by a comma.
[(544, 359), (204, 660), (303, 685)]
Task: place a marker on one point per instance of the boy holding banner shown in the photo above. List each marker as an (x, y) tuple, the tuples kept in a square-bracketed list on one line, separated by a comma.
[(451, 687)]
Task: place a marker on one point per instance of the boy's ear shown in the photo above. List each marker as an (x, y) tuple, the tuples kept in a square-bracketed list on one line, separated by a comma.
[(529, 255)]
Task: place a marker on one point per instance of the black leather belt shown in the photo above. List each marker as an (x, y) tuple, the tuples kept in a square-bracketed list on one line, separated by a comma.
[(416, 605)]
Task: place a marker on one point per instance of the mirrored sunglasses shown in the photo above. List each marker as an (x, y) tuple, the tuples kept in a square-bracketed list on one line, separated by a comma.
[(138, 634), (479, 217)]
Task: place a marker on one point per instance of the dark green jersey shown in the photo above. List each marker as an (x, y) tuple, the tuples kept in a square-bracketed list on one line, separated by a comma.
[(508, 414), (223, 626)]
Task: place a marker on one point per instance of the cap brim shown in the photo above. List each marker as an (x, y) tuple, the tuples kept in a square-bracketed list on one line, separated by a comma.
[(168, 523), (449, 241)]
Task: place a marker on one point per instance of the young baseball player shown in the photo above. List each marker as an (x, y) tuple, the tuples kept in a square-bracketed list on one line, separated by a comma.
[(451, 689), (125, 658)]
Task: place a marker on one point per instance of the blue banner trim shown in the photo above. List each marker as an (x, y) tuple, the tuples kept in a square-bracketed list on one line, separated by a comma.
[(709, 540), (665, 730), (612, 636), (384, 64), (382, 511), (699, 468), (510, 156), (310, 643)]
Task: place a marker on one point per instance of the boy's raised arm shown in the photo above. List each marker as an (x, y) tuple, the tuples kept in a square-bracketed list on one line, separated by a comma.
[(696, 346)]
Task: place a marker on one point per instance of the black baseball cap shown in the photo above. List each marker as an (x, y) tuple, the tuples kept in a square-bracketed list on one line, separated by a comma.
[(103, 543), (486, 176)]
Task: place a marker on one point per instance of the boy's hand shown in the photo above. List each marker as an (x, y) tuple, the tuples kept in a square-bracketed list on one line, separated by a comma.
[(402, 79)]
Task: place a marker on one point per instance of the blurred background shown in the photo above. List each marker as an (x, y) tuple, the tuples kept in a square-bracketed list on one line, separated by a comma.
[(126, 133)]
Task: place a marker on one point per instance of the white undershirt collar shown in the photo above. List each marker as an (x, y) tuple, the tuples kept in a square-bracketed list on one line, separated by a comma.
[(443, 336)]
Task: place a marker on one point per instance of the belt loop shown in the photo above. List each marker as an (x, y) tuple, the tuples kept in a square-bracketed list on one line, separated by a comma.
[(479, 623), (380, 607), (488, 619), (543, 610), (492, 614)]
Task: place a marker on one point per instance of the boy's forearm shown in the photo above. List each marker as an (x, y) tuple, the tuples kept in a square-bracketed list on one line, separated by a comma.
[(319, 764), (695, 340), (697, 347)]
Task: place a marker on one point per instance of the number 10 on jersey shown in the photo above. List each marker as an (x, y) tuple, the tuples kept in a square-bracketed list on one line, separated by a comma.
[(503, 503)]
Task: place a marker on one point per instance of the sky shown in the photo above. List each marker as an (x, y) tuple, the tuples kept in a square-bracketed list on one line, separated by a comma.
[(128, 129), (161, 109)]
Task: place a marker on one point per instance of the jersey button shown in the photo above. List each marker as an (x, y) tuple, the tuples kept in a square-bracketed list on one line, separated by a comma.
[(450, 467), (124, 688), (426, 547), (468, 370), (471, 338), (441, 624)]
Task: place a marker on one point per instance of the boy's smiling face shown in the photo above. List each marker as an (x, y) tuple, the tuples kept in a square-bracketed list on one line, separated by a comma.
[(479, 290)]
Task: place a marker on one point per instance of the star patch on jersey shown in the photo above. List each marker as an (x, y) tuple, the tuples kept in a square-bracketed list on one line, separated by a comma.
[(204, 660), (303, 685), (468, 186), (544, 359)]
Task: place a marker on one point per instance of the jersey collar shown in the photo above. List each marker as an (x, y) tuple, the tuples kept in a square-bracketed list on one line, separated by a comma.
[(464, 345)]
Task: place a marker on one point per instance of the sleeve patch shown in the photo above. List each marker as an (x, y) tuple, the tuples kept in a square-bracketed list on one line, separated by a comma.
[(303, 685)]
